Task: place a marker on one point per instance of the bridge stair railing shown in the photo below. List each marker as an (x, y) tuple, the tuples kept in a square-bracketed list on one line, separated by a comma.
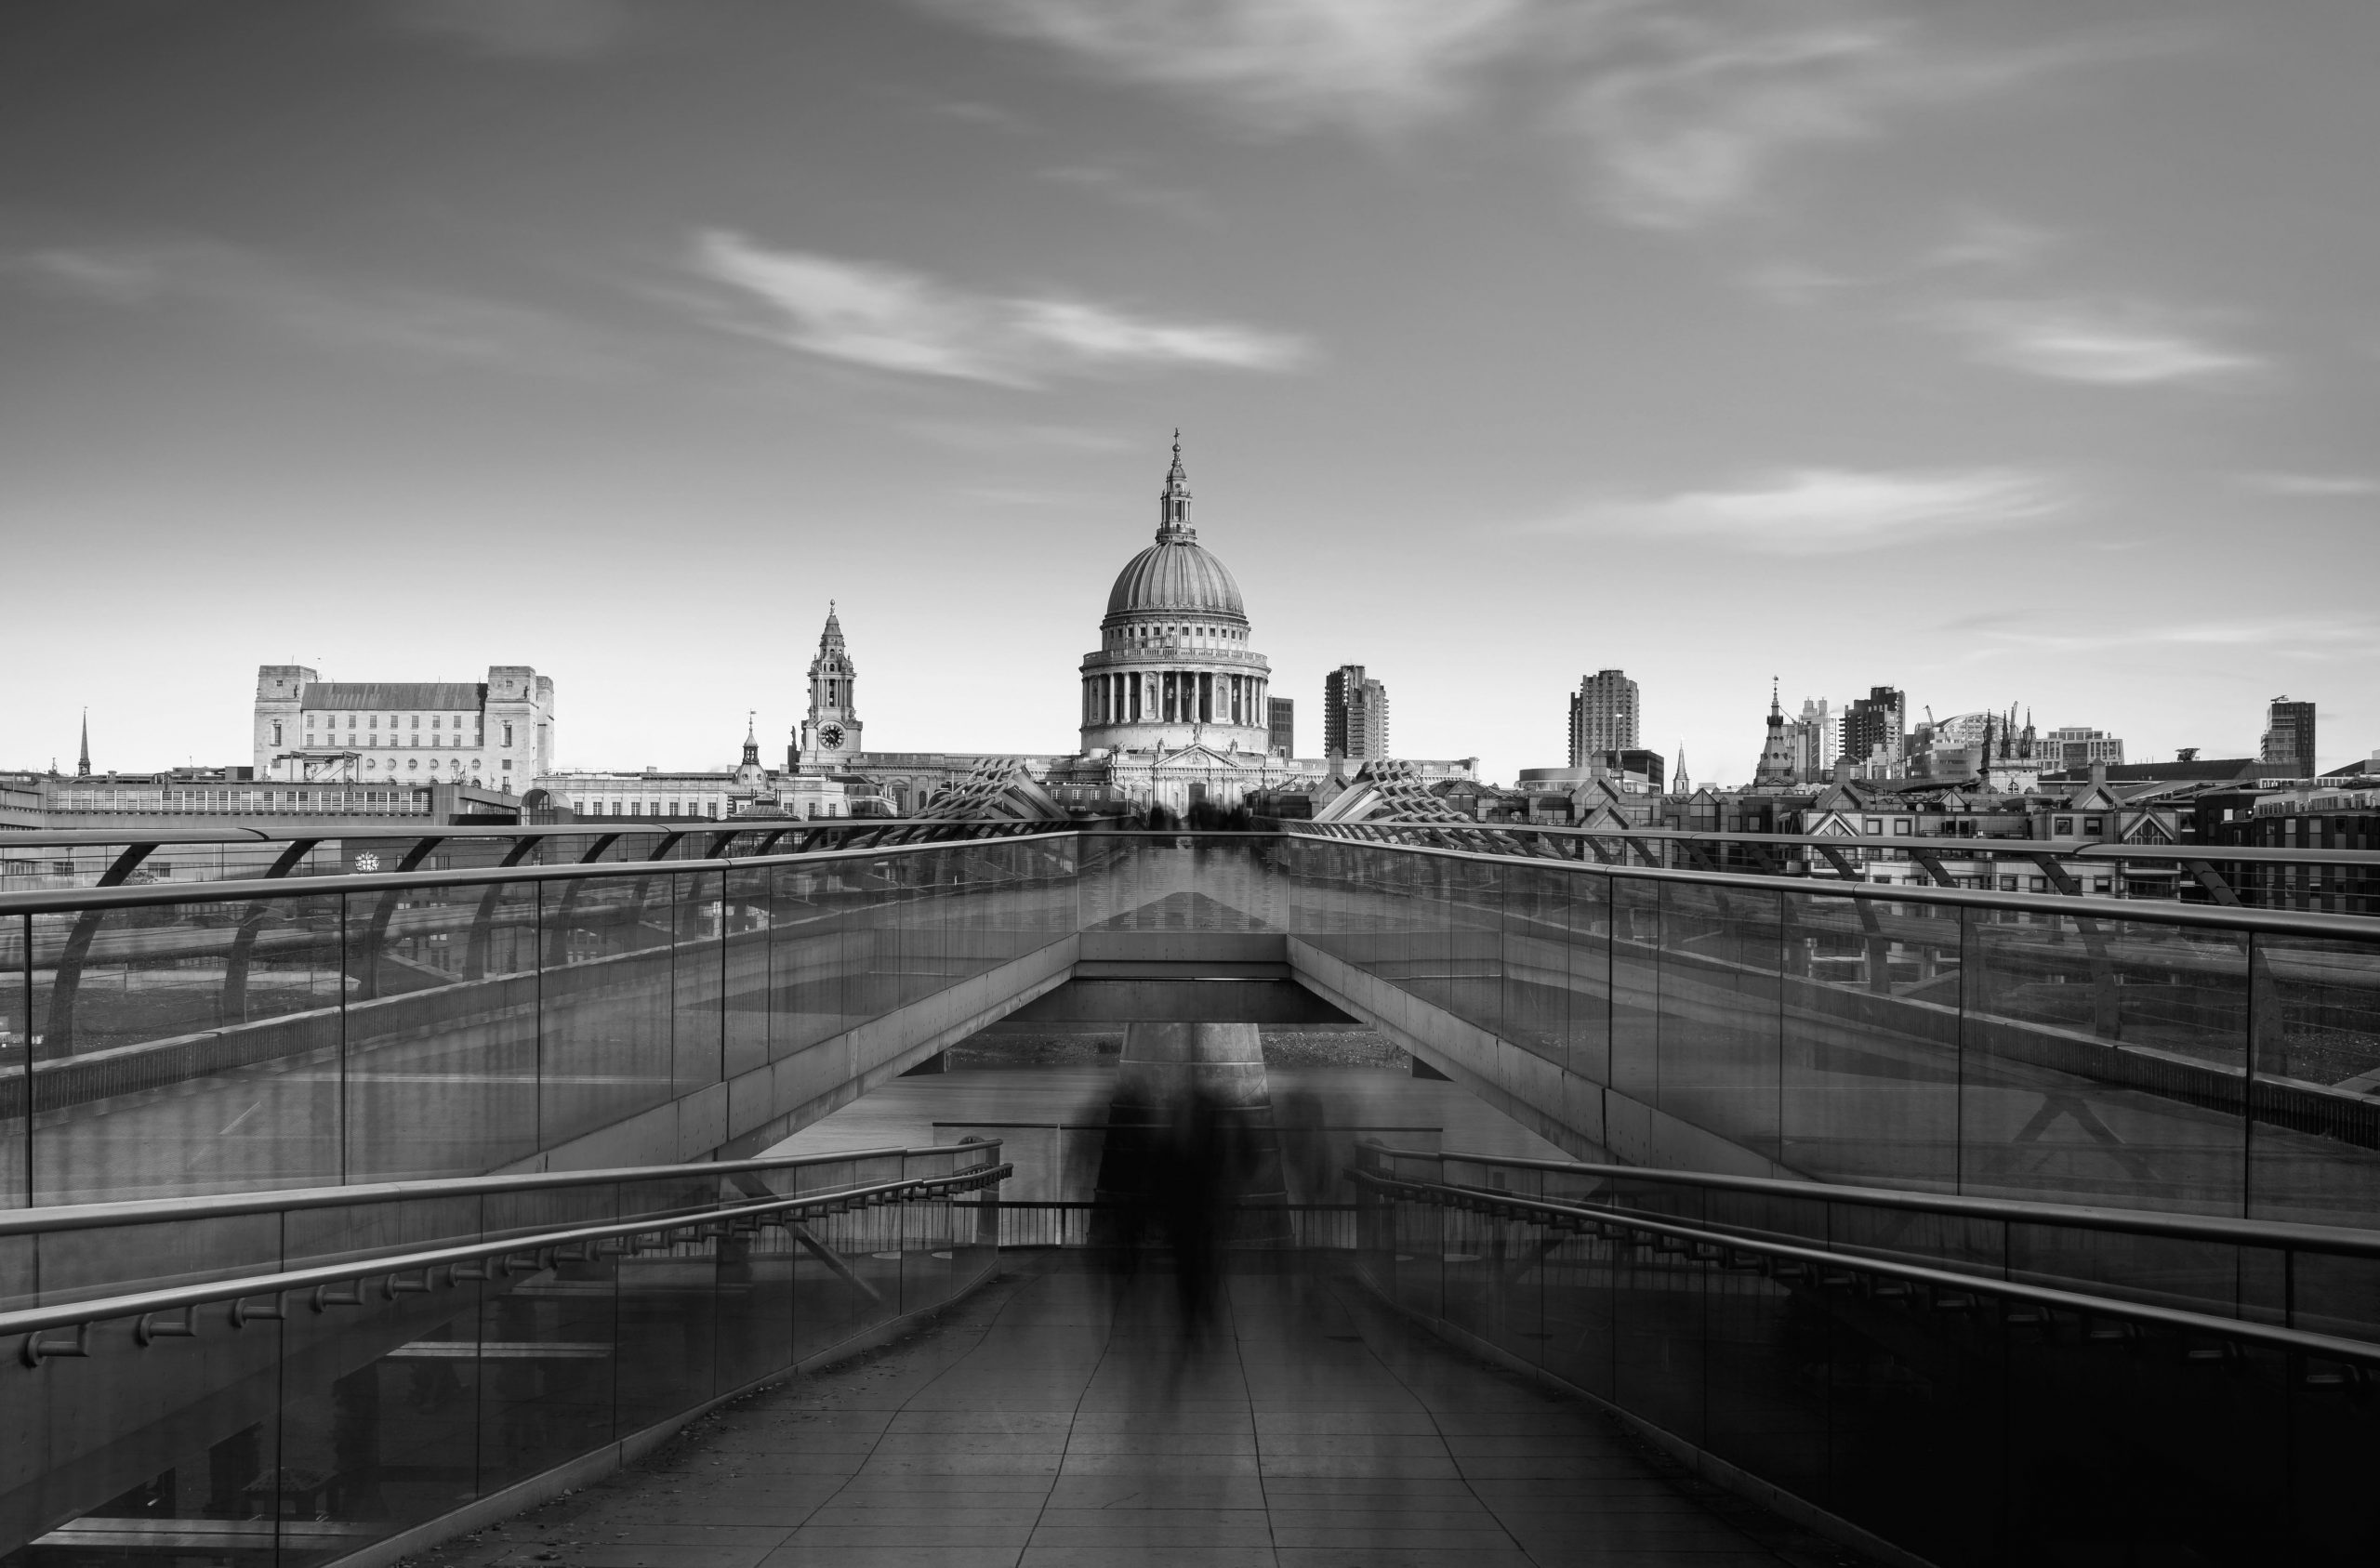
[(377, 1359), (1936, 1379)]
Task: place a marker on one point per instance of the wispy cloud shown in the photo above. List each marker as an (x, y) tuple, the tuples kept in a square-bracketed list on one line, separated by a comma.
[(1011, 437), (1823, 511), (1690, 122), (1128, 189), (1373, 62), (874, 314), (2107, 343), (1681, 111), (2311, 487), (321, 306), (553, 31), (1989, 241), (2291, 636)]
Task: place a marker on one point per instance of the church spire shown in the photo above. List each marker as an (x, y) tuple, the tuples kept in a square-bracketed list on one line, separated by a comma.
[(1776, 767), (751, 739), (1174, 501), (83, 766)]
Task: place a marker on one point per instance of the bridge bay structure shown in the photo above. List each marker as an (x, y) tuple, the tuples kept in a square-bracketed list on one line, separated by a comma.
[(291, 1163)]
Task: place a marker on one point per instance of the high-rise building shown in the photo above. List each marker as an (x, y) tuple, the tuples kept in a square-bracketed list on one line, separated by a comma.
[(1877, 719), (2288, 746), (2077, 746), (1816, 738), (1281, 720), (1355, 713), (1603, 716)]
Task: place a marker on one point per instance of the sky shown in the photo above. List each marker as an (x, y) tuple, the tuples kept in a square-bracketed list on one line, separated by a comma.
[(2018, 353)]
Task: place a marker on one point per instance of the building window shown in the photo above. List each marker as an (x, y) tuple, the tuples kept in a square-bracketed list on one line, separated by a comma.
[(276, 731), (508, 735), (2063, 827), (1872, 826), (2099, 884), (2091, 825), (1900, 827), (2038, 884)]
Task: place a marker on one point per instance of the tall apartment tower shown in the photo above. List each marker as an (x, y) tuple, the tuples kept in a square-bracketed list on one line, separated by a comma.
[(1355, 713), (1281, 726), (1877, 719), (2288, 745), (1816, 738), (1603, 716)]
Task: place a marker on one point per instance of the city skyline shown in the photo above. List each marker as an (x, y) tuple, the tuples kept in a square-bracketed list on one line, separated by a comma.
[(1809, 340)]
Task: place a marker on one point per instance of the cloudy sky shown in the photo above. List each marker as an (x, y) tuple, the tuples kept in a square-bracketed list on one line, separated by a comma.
[(2026, 352)]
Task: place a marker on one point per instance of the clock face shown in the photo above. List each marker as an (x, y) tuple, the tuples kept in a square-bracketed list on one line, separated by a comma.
[(830, 736)]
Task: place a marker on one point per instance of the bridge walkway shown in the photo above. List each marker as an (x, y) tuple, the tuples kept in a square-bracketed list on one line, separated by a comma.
[(1054, 1420)]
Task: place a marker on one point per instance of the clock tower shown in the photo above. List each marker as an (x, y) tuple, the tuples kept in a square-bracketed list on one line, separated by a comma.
[(829, 735)]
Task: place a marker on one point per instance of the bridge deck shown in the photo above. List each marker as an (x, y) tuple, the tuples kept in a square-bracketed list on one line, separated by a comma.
[(1055, 1420)]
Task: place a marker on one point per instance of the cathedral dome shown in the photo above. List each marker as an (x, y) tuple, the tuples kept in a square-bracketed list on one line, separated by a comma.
[(1177, 577), (1174, 576)]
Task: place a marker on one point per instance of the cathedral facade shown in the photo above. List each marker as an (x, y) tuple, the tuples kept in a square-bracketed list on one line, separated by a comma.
[(1174, 704)]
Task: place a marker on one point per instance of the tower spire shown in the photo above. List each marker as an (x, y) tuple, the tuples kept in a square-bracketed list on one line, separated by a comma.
[(82, 766), (1174, 501)]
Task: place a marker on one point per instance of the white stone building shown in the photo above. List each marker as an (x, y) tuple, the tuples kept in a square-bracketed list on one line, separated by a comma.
[(497, 734)]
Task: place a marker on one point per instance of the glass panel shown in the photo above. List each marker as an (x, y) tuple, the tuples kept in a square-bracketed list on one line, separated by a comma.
[(2315, 1150), (1870, 1081), (1635, 988), (746, 937), (1475, 937), (1720, 1021), (441, 1065), (604, 1010), (16, 1060), (2104, 1060), (696, 1033), (185, 1048)]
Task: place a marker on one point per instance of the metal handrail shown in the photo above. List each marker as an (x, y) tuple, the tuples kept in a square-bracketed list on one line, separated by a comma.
[(33, 1322), (69, 899), (2326, 1347), (59, 837), (2280, 922), (2021, 849), (2335, 1240), (146, 1211), (2354, 928)]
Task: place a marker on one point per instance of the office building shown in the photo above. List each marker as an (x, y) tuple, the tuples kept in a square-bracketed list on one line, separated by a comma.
[(2288, 745), (2076, 748), (1355, 713), (1603, 716), (1874, 725), (1280, 714)]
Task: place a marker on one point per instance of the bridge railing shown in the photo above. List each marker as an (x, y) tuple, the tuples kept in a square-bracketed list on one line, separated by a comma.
[(1954, 1406), (54, 860), (2320, 880), (413, 1024), (434, 1345), (2087, 1050)]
